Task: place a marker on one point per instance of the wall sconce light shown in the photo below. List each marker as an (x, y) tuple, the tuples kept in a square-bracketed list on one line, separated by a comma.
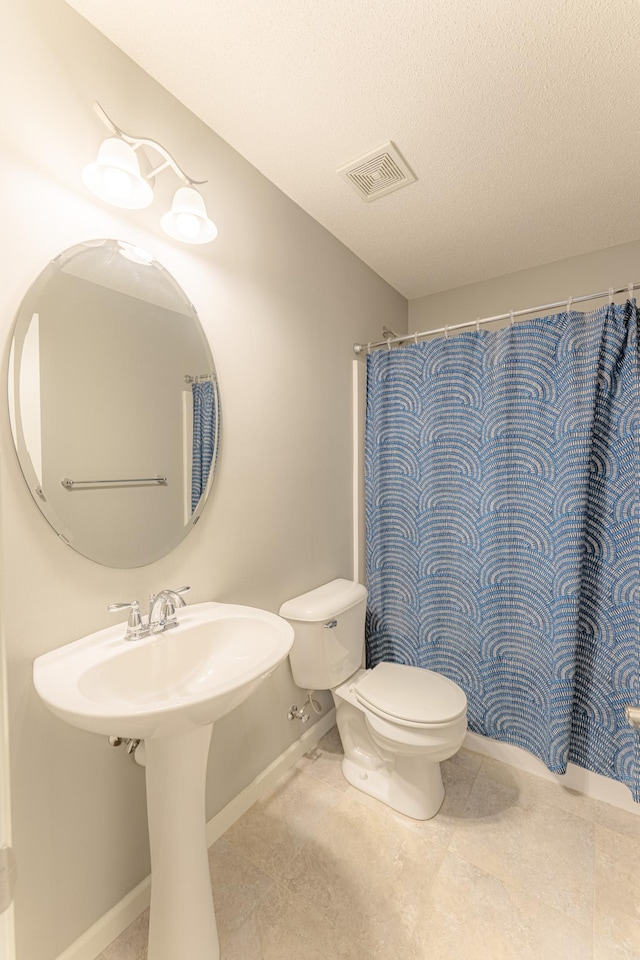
[(116, 177)]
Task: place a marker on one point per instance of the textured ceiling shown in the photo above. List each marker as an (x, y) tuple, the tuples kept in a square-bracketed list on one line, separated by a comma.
[(520, 118)]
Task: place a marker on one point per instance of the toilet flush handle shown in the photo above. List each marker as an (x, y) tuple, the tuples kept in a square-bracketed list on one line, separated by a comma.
[(331, 624)]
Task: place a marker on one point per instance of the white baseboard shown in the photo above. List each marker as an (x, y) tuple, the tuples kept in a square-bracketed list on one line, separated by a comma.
[(590, 784), (105, 930), (268, 777)]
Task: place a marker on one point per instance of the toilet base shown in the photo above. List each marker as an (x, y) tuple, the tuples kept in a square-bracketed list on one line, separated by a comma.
[(410, 785), (410, 781)]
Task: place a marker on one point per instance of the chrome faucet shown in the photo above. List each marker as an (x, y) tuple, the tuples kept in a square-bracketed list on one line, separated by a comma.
[(162, 613), (162, 609)]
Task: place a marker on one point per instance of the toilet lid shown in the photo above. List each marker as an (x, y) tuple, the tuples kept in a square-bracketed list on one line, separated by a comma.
[(410, 694)]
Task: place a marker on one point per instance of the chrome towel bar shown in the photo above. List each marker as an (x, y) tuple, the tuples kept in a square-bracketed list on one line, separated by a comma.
[(71, 484)]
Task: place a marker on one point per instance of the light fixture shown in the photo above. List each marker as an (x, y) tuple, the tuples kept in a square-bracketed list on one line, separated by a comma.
[(116, 177), (187, 220)]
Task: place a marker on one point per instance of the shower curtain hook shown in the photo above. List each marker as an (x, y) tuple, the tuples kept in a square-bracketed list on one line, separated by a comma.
[(477, 324), (415, 338), (611, 295), (389, 345), (630, 289), (513, 319), (369, 347), (569, 302), (446, 333)]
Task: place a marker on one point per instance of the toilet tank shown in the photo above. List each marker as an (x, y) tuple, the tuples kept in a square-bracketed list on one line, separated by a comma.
[(329, 633)]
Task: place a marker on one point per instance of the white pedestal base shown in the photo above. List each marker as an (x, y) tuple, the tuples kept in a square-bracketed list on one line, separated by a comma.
[(182, 919)]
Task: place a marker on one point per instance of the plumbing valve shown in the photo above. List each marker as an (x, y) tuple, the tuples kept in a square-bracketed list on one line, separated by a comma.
[(296, 714), (131, 743)]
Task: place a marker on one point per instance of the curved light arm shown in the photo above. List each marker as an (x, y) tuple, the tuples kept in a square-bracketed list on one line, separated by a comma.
[(136, 142)]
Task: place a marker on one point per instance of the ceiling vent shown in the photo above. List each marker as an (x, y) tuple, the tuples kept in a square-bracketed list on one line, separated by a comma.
[(378, 172)]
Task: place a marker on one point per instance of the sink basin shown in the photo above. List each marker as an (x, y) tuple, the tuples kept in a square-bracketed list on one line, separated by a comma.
[(168, 690), (168, 683)]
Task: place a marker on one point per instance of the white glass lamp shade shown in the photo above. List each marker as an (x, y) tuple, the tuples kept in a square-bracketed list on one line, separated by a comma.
[(116, 178), (187, 220)]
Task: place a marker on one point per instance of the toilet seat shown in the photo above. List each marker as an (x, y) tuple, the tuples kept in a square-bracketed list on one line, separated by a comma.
[(410, 696)]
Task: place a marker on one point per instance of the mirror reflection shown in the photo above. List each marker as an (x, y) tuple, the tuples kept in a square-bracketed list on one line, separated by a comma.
[(114, 403)]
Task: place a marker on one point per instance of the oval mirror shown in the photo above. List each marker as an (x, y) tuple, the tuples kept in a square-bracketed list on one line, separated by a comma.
[(114, 404)]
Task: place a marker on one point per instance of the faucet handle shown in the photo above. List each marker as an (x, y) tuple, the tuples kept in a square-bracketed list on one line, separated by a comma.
[(135, 628), (168, 608), (114, 607)]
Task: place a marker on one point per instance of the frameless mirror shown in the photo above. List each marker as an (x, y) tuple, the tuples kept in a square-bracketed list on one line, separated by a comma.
[(114, 403)]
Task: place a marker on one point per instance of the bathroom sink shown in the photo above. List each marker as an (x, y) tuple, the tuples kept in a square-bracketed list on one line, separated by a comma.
[(168, 689), (165, 684)]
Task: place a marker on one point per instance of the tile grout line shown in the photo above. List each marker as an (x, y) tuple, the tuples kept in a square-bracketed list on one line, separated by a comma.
[(252, 865), (466, 804), (537, 802), (445, 849), (265, 865)]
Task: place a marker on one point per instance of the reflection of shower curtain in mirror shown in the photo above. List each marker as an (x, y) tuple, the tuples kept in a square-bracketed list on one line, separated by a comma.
[(203, 438)]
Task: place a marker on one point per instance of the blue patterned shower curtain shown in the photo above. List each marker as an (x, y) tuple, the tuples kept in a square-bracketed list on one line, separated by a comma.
[(204, 427), (502, 511)]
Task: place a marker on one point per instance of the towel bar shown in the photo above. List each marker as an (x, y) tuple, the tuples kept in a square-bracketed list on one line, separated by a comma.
[(70, 484)]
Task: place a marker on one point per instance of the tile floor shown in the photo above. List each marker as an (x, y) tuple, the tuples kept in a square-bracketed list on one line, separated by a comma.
[(512, 868)]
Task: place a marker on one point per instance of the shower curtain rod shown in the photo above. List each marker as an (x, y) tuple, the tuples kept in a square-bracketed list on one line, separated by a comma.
[(512, 314), (199, 377)]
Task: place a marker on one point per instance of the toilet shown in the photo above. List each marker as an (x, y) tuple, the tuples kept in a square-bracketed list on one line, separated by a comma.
[(396, 722)]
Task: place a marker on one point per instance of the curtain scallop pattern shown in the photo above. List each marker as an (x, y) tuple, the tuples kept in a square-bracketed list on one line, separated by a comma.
[(204, 438), (502, 510)]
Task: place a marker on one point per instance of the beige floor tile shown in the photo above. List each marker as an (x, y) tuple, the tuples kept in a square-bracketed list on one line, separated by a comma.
[(534, 846), (617, 889), (132, 944), (274, 830), (463, 765), (284, 926), (613, 818), (237, 885), (532, 789), (322, 871), (367, 875), (473, 915), (616, 938)]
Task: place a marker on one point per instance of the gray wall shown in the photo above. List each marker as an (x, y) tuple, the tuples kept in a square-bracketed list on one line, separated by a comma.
[(282, 302), (576, 276)]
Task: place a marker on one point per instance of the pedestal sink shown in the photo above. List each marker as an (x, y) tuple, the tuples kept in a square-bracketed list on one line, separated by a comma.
[(168, 689)]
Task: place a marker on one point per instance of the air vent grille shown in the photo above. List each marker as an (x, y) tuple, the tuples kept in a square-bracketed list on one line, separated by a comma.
[(378, 173)]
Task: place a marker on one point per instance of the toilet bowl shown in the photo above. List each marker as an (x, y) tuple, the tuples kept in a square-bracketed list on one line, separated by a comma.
[(396, 722)]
